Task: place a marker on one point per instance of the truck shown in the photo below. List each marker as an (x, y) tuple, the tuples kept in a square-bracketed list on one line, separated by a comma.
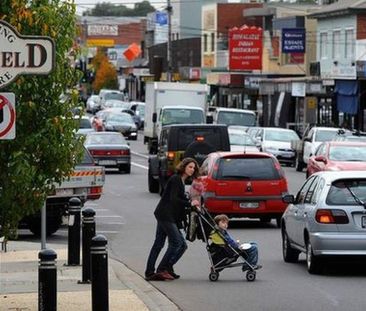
[(169, 103), (85, 182)]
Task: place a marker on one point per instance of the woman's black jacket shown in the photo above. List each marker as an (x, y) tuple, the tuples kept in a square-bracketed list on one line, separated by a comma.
[(173, 204)]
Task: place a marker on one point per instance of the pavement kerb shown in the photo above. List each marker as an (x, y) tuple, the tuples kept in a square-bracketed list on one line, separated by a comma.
[(149, 294)]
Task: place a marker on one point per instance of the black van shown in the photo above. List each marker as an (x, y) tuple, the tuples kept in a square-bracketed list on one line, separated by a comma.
[(179, 141)]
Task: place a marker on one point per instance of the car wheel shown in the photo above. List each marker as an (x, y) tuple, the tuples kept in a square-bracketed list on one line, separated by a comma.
[(278, 221), (313, 262), (299, 164), (153, 184), (289, 254)]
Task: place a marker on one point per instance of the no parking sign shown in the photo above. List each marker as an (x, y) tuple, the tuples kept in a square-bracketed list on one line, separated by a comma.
[(7, 116)]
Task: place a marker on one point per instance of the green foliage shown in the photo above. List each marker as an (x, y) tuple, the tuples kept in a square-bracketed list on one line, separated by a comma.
[(46, 148), (109, 9)]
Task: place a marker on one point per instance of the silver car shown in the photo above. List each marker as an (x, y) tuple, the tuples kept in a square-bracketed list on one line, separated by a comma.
[(327, 218)]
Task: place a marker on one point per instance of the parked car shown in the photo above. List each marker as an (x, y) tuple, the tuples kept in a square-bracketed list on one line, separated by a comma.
[(338, 156), (105, 95), (277, 141), (139, 109), (109, 149), (92, 104), (120, 122), (327, 218), (244, 185), (84, 125), (114, 103), (240, 140)]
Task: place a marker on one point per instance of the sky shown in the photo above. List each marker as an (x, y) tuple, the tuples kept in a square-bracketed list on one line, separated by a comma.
[(82, 5)]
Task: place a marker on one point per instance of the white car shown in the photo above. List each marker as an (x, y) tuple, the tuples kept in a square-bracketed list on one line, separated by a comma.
[(277, 141), (240, 140), (92, 104)]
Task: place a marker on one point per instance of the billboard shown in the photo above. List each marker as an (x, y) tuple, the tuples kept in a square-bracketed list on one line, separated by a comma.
[(293, 40), (245, 48)]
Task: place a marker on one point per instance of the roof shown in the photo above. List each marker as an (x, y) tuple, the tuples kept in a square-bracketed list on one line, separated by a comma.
[(277, 128), (342, 7), (223, 154), (334, 175), (109, 20), (234, 110), (195, 126)]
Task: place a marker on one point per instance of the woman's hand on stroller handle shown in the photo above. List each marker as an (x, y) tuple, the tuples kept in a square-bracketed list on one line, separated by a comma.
[(196, 204)]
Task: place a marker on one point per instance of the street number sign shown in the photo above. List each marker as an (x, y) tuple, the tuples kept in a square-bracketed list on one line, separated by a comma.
[(23, 54), (7, 113)]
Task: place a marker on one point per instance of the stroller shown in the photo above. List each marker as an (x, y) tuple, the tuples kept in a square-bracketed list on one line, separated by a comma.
[(221, 257)]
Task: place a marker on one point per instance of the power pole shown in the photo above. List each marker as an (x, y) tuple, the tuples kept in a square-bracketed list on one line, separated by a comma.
[(169, 43)]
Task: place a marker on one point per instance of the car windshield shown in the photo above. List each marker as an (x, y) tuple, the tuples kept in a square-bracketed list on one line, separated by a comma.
[(211, 136), (104, 139), (120, 118), (116, 104), (118, 96), (247, 168), (140, 110), (236, 118), (84, 123), (87, 158), (347, 153), (340, 193), (240, 140), (325, 135), (286, 136), (182, 116)]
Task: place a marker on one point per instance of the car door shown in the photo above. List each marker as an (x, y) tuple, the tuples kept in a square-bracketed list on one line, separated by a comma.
[(303, 212), (292, 212)]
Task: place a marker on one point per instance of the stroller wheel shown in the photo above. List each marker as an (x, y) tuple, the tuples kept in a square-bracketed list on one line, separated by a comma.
[(213, 276), (251, 275)]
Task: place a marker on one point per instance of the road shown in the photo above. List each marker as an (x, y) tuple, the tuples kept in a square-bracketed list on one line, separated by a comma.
[(125, 216)]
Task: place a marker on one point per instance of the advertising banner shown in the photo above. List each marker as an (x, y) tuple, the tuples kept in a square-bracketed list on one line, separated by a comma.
[(245, 48), (293, 40)]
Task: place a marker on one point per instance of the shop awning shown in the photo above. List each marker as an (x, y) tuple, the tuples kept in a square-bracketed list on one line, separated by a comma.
[(347, 96)]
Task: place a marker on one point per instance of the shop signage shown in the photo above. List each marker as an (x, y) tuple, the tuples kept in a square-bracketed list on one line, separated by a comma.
[(298, 89), (293, 40), (245, 48), (23, 54), (102, 30), (100, 42)]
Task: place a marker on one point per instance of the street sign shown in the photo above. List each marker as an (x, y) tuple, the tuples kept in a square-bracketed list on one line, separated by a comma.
[(7, 110), (23, 54)]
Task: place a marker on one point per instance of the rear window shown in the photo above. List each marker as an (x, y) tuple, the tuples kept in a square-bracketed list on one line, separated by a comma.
[(211, 136), (340, 193), (347, 153), (87, 158), (325, 135), (247, 168)]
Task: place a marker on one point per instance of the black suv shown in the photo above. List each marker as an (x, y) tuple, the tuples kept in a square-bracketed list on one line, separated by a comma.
[(179, 141)]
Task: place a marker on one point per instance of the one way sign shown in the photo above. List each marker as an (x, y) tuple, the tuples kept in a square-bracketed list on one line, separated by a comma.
[(7, 116)]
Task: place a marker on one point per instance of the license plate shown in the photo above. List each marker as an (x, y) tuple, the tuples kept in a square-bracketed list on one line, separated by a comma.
[(249, 205), (107, 162), (363, 221), (287, 155), (64, 192)]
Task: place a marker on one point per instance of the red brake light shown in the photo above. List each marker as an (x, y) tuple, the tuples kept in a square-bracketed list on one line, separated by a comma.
[(200, 138), (331, 216), (109, 152), (95, 193)]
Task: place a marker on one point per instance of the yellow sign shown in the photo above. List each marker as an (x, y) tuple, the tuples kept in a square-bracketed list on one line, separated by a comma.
[(312, 102), (100, 42)]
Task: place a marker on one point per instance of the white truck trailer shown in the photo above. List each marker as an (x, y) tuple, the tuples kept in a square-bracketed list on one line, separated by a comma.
[(172, 103)]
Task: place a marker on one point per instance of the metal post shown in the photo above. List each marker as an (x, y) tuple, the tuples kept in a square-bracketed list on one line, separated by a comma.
[(99, 277), (43, 226), (47, 280), (88, 232), (169, 43), (73, 258)]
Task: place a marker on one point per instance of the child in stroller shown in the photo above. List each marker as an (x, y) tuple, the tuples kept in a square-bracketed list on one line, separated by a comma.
[(224, 251)]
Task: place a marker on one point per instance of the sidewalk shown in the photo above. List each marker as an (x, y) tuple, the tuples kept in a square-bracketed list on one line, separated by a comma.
[(19, 283)]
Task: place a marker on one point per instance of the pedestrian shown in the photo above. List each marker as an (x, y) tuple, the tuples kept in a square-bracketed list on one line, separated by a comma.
[(170, 214)]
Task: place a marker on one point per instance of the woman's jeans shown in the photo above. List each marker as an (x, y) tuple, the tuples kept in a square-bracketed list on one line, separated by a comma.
[(176, 247)]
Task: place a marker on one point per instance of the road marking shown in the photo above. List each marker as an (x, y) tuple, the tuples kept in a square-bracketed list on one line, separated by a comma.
[(139, 154), (108, 231), (140, 166), (106, 216)]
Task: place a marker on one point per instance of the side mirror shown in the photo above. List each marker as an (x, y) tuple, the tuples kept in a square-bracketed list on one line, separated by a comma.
[(321, 158), (209, 119), (154, 117), (288, 198)]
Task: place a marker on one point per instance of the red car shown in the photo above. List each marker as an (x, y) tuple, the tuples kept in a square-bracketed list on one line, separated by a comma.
[(338, 156), (244, 185)]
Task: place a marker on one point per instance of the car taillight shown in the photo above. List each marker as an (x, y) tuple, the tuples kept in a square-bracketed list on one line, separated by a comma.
[(95, 192), (170, 155), (331, 216), (109, 152)]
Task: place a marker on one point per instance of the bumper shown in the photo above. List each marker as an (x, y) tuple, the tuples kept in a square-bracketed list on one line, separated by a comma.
[(111, 161), (338, 243)]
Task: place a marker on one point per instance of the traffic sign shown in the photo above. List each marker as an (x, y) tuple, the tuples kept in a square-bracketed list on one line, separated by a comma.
[(7, 111)]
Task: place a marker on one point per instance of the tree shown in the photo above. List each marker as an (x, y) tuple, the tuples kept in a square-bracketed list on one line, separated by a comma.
[(109, 9), (106, 75), (46, 148)]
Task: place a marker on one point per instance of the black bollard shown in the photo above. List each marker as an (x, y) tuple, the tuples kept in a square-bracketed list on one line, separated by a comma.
[(99, 273), (88, 232), (73, 256), (47, 280)]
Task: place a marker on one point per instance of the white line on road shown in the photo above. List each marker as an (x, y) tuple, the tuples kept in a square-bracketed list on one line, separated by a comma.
[(139, 165), (140, 155)]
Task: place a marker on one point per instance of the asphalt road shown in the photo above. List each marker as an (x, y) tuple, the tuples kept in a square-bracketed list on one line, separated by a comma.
[(125, 216)]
